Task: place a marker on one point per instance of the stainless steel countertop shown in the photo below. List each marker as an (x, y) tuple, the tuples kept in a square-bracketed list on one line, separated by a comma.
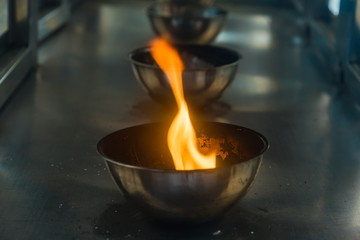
[(54, 185)]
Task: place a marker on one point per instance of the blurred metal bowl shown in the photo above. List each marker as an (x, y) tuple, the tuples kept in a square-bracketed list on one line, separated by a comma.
[(139, 162), (186, 23), (209, 71)]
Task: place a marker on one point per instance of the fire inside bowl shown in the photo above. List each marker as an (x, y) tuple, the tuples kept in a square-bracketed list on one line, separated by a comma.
[(209, 71), (139, 161), (186, 23)]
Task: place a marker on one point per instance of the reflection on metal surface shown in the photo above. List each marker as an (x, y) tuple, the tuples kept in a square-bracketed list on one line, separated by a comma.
[(21, 10), (334, 6), (254, 31), (106, 16), (56, 14), (254, 21), (358, 14), (256, 39), (261, 21), (323, 102), (256, 84), (4, 21), (122, 16)]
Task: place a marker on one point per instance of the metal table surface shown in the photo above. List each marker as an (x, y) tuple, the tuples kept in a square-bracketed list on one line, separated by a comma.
[(54, 185)]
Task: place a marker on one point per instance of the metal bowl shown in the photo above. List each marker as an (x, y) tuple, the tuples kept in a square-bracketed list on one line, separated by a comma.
[(186, 23), (209, 71), (139, 161)]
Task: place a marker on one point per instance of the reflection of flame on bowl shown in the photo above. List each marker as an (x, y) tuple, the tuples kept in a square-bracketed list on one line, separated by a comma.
[(209, 71), (141, 165), (186, 23)]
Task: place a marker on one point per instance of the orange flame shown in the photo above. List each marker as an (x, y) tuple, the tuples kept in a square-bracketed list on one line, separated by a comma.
[(181, 137)]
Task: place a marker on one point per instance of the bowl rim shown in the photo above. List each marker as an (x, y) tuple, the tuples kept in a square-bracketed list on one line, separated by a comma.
[(147, 49), (172, 171), (220, 12)]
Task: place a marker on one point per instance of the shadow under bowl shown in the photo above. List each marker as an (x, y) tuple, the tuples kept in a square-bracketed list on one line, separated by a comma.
[(208, 72), (186, 23), (140, 163)]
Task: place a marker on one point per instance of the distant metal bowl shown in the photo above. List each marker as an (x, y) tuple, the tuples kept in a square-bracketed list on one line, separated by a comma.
[(186, 23), (209, 71), (139, 161)]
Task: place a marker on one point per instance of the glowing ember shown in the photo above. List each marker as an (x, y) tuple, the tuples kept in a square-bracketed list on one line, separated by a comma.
[(181, 137)]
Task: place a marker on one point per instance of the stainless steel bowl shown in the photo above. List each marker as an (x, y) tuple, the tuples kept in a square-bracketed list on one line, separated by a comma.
[(140, 163), (209, 71), (186, 23)]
